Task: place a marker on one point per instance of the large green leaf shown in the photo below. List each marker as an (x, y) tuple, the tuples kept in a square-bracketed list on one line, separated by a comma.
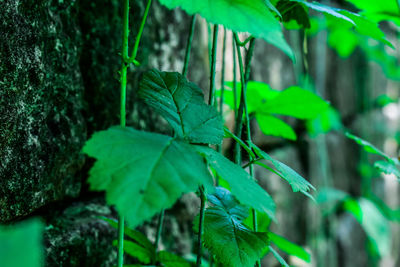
[(21, 244), (295, 102), (289, 247), (296, 181), (143, 173), (181, 103), (226, 236), (373, 222), (240, 16), (242, 186), (271, 125)]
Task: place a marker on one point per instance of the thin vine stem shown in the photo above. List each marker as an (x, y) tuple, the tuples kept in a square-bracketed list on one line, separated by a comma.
[(234, 76), (124, 70), (159, 230), (221, 103), (139, 34), (203, 197), (244, 78), (203, 200), (211, 97), (189, 45)]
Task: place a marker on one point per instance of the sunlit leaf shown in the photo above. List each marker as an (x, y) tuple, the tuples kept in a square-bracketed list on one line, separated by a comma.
[(242, 186), (295, 102), (289, 247), (271, 125), (137, 169), (324, 122), (226, 236), (21, 244), (181, 103)]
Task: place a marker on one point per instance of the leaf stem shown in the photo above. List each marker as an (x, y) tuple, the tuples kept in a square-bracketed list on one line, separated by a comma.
[(213, 66), (189, 45), (203, 200), (139, 34), (221, 103)]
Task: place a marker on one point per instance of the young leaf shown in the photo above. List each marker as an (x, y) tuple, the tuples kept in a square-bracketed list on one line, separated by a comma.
[(373, 222), (387, 167), (243, 187), (226, 236), (367, 146), (295, 102), (297, 182), (21, 244), (289, 247), (137, 169), (143, 254), (168, 259), (240, 16), (271, 125), (181, 103)]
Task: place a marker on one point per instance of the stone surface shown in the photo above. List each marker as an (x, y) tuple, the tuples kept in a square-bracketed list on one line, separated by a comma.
[(42, 128)]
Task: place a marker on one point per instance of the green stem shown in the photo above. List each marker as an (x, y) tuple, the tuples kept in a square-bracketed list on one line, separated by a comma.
[(244, 77), (248, 39), (221, 103), (189, 45), (213, 66), (234, 76), (124, 70), (203, 200), (239, 116), (159, 231), (139, 34)]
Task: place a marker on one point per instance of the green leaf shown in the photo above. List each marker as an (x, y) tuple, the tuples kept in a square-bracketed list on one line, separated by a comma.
[(373, 222), (240, 16), (292, 11), (367, 146), (296, 181), (227, 237), (21, 244), (137, 169), (243, 187), (278, 257), (271, 125), (326, 9), (387, 167), (385, 10), (289, 247), (324, 122), (181, 103), (171, 260), (295, 102), (143, 254)]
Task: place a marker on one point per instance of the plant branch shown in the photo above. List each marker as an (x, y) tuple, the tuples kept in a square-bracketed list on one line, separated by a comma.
[(213, 66), (139, 34), (203, 200), (189, 45)]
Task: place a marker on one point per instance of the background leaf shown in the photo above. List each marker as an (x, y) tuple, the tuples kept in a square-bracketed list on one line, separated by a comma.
[(171, 260), (387, 167), (367, 146), (21, 244), (242, 186), (289, 247), (181, 103), (137, 169), (240, 16)]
